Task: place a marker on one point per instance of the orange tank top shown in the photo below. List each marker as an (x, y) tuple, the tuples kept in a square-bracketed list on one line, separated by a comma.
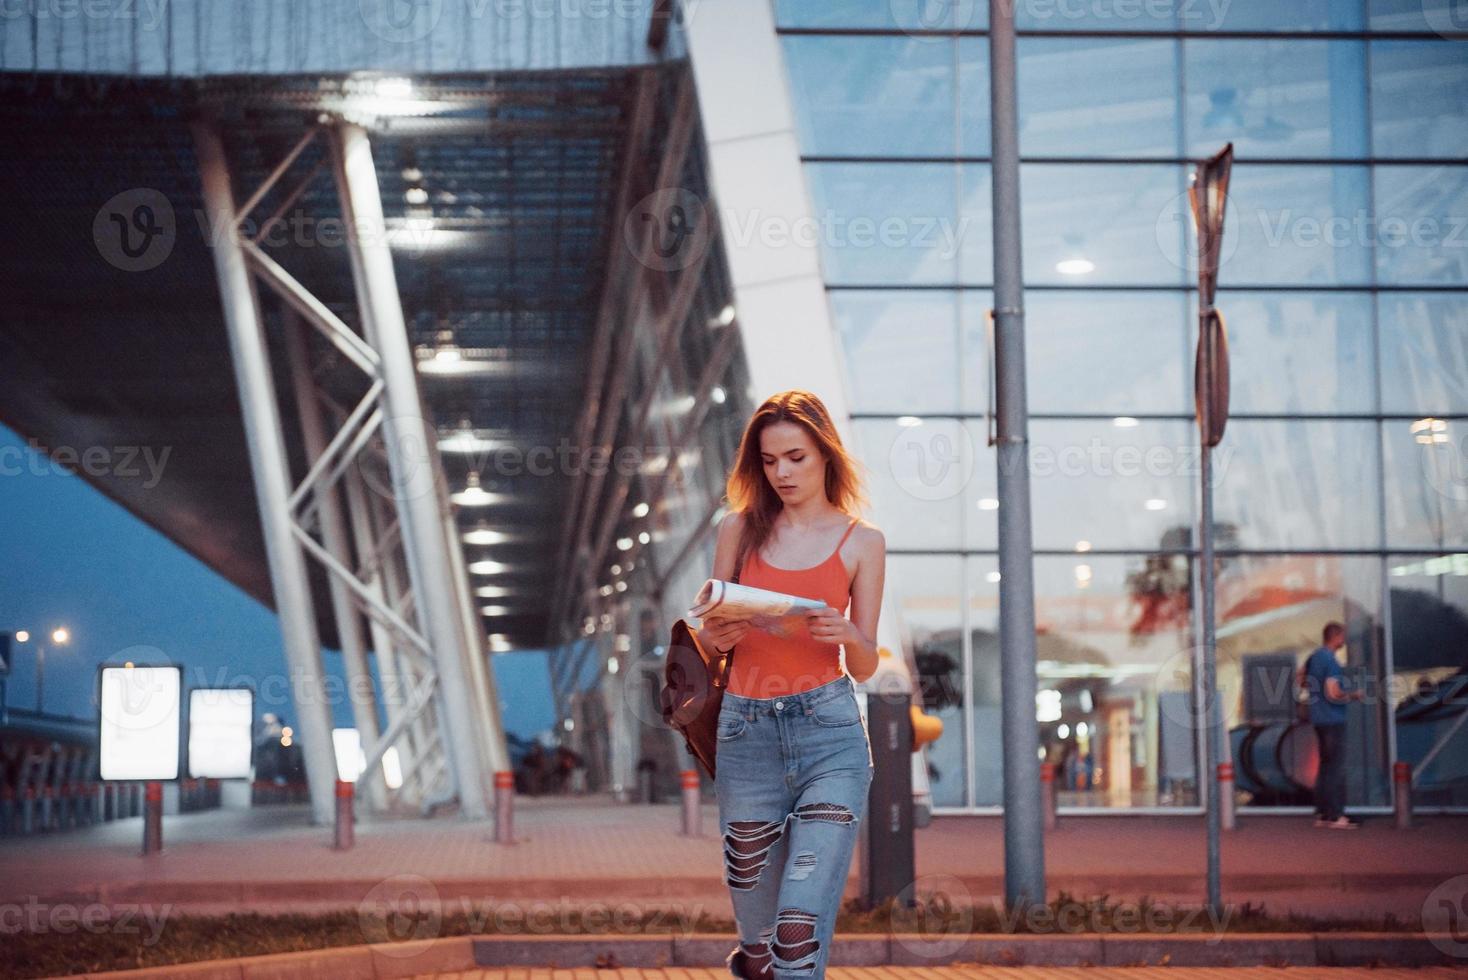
[(766, 665)]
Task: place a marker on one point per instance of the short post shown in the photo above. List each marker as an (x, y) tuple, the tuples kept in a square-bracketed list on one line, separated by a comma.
[(344, 819), (1402, 794), (153, 817), (28, 811), (1226, 796), (1048, 795), (692, 811), (504, 806), (7, 810), (48, 806)]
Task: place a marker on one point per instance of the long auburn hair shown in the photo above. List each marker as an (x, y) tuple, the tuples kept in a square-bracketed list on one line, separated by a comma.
[(749, 492)]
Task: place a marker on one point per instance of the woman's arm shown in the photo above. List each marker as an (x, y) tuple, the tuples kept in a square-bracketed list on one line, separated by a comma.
[(726, 545), (859, 633)]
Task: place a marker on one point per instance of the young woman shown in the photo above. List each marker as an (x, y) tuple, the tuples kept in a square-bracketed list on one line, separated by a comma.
[(794, 759)]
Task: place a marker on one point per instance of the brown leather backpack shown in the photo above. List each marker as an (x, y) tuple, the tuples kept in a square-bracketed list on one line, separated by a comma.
[(694, 679)]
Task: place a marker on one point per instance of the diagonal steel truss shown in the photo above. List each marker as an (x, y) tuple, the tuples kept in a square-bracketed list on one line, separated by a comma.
[(372, 508)]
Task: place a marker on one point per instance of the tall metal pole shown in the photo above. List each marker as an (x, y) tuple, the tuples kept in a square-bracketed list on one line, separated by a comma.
[(1024, 842), (263, 435), (1211, 706), (409, 459)]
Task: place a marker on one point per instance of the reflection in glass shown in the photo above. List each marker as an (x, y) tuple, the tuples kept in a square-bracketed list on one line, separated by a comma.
[(1271, 15), (925, 595), (1103, 223), (1429, 609), (1296, 225), (1119, 483), (1112, 656), (1298, 353), (1424, 352), (1061, 16), (903, 15), (983, 681), (1419, 99), (1421, 236), (871, 96), (1444, 17), (1108, 352), (1097, 97), (1286, 98), (1426, 482), (1271, 611), (915, 477), (973, 96), (1299, 484), (901, 349), (889, 223)]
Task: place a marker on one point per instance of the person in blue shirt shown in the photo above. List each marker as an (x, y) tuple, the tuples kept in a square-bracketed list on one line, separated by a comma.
[(1325, 683)]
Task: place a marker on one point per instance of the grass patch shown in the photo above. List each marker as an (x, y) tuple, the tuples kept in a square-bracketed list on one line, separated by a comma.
[(177, 938)]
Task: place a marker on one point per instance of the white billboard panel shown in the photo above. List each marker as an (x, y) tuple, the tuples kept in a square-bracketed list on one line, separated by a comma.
[(140, 722), (221, 725)]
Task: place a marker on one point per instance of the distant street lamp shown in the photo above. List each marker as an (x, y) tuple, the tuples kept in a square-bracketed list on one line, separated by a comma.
[(60, 636)]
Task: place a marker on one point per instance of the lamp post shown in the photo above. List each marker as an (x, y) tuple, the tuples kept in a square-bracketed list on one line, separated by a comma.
[(59, 637), (1208, 196)]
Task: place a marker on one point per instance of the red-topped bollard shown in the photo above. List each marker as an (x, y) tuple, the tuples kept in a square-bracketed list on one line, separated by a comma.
[(153, 817), (1226, 816), (345, 795), (1048, 795), (1402, 794), (692, 810), (504, 806)]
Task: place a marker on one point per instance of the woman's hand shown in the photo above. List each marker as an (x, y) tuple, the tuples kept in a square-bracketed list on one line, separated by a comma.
[(828, 626), (723, 633)]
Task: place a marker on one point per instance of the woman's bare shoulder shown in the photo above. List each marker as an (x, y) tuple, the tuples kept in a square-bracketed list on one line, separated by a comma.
[(868, 538)]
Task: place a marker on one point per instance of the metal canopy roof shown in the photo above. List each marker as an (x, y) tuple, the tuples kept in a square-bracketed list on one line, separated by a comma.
[(523, 171)]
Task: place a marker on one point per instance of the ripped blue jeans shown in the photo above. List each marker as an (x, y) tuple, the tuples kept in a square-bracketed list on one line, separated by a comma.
[(792, 780)]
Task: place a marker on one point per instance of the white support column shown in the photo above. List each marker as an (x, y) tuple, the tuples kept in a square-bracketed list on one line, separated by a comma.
[(260, 412), (409, 458), (756, 181), (360, 694)]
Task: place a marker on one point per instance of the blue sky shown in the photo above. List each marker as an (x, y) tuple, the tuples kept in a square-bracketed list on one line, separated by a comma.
[(70, 556)]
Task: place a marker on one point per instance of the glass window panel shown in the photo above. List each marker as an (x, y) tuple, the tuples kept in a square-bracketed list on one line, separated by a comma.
[(1274, 608), (1419, 99), (1426, 463), (1295, 225), (901, 349), (925, 595), (1113, 710), (1103, 15), (1298, 484), (980, 497), (1444, 17), (1298, 353), (973, 321), (1097, 97), (1103, 223), (975, 232), (1272, 15), (1285, 98), (871, 96), (1121, 352), (915, 478), (1422, 225), (1429, 607), (1424, 352), (907, 15), (973, 96), (986, 700), (886, 223), (1107, 485)]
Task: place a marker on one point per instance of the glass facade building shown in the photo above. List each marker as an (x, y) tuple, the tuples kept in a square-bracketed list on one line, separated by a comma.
[(1341, 486)]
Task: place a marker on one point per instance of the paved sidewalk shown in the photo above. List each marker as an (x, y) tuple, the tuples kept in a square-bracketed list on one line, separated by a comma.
[(988, 973), (590, 848)]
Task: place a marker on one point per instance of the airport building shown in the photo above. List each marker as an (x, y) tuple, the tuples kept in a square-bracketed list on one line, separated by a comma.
[(594, 235)]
